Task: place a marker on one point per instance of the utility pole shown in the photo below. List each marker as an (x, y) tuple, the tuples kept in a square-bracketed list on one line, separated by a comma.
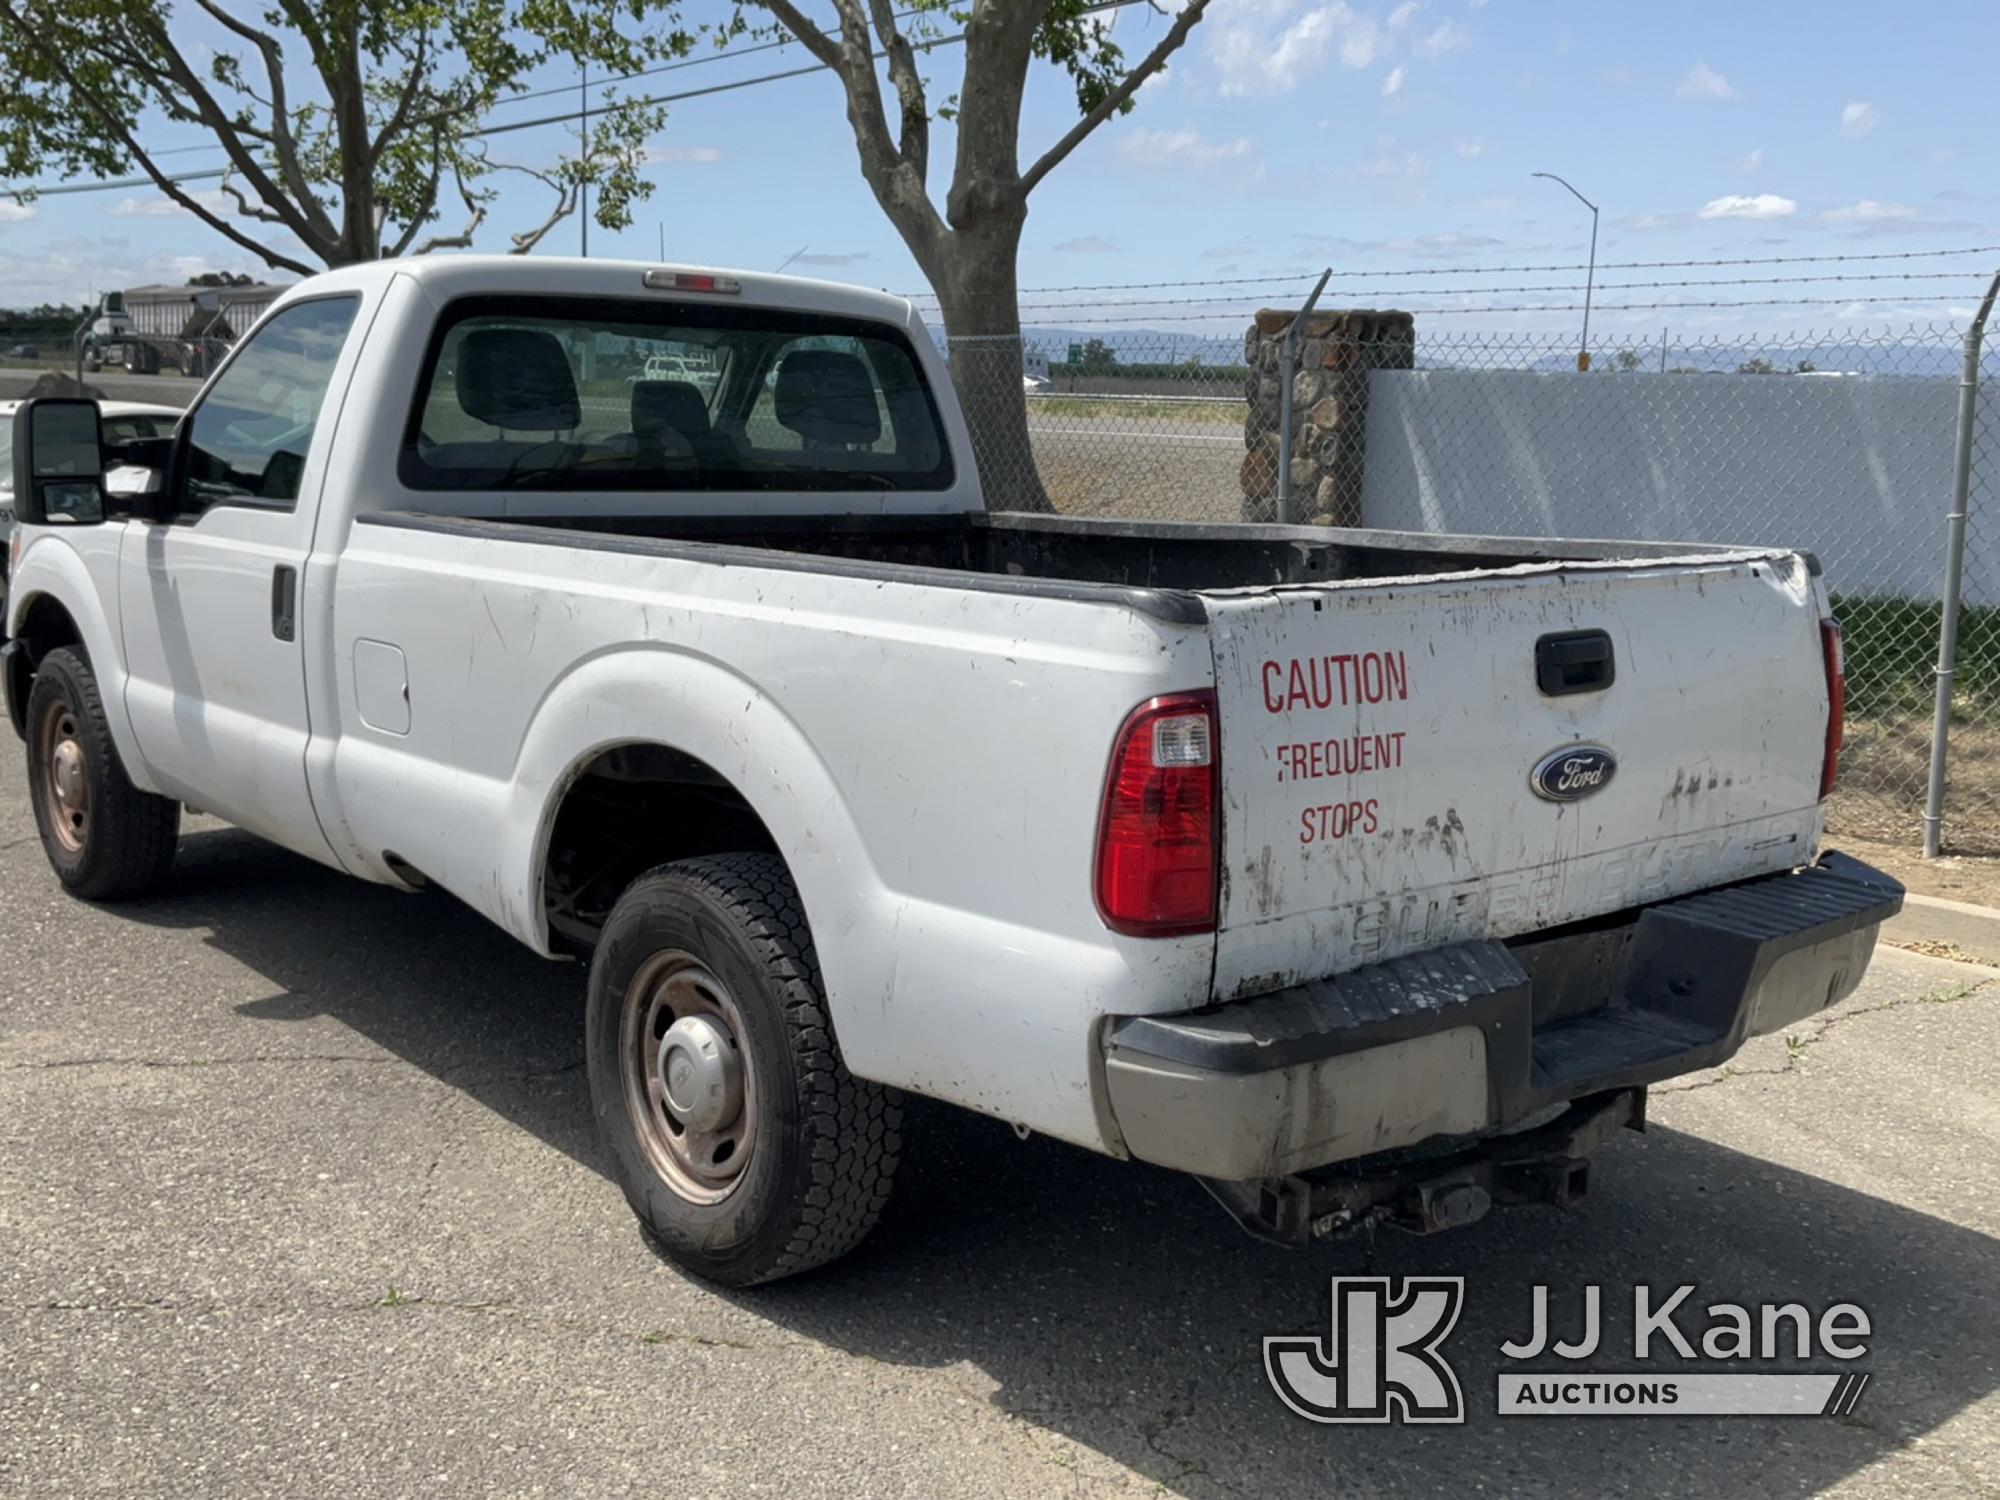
[(1590, 276)]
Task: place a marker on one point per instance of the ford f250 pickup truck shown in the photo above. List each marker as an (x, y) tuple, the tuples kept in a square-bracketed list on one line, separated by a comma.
[(1365, 877)]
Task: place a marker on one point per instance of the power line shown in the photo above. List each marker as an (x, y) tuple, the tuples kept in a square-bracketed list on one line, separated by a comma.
[(1629, 265), (686, 62)]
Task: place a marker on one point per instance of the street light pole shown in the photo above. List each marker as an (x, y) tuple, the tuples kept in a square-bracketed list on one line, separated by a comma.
[(1589, 276)]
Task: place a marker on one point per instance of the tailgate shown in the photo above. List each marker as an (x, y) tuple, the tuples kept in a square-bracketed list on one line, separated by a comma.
[(1379, 740)]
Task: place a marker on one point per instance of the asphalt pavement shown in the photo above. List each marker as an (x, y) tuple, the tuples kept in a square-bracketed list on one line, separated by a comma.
[(299, 1196)]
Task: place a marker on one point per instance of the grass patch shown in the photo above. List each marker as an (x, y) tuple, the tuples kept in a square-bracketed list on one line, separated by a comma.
[(1091, 408), (1892, 658)]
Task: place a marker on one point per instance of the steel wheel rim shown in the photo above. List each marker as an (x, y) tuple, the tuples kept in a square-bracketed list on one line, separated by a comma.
[(674, 989), (65, 778)]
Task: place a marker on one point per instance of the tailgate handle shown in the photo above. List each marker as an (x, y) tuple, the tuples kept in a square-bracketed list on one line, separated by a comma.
[(1576, 661)]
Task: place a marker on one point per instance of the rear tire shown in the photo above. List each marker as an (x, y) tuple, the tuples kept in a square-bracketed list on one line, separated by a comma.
[(105, 839), (740, 1139)]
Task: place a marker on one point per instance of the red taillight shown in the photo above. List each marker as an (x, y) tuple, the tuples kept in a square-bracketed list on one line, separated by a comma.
[(1836, 703), (1156, 839)]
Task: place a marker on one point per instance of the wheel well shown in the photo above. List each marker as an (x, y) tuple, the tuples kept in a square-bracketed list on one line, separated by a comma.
[(626, 810), (45, 625)]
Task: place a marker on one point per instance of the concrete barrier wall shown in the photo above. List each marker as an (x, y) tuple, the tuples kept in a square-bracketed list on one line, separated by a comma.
[(1854, 468)]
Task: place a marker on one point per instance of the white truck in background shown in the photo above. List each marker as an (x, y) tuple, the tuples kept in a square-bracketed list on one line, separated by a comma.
[(1364, 877)]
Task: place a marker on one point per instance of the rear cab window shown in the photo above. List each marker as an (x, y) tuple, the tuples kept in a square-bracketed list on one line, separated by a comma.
[(582, 394)]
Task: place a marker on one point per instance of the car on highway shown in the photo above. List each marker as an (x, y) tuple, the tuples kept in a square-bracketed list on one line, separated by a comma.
[(1363, 877)]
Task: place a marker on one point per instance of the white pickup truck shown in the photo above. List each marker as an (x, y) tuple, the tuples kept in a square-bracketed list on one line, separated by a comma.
[(1365, 877)]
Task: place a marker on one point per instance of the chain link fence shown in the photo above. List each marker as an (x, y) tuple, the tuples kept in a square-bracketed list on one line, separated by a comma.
[(1838, 443)]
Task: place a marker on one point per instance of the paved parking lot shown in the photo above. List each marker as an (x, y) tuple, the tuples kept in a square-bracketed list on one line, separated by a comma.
[(298, 1195)]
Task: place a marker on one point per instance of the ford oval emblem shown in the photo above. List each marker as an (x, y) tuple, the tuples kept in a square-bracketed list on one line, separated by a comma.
[(1573, 772)]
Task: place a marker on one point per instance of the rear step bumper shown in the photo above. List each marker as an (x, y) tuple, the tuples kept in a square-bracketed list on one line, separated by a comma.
[(1445, 1043)]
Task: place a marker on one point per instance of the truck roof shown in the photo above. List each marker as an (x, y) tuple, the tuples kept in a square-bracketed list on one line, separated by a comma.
[(445, 276)]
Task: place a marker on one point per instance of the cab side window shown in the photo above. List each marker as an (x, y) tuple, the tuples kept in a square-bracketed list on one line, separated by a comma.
[(248, 440)]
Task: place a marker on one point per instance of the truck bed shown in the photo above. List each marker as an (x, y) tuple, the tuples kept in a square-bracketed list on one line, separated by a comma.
[(1157, 567)]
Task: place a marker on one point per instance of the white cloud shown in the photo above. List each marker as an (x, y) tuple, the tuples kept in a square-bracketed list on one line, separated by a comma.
[(1403, 14), (1391, 166), (1227, 252), (1496, 203), (1393, 83), (1747, 206), (829, 258), (1441, 247), (1254, 60), (1858, 119), (1703, 82), (15, 213), (1473, 149), (701, 155), (1450, 37), (1090, 244), (1868, 211), (160, 206), (1180, 148), (1753, 160)]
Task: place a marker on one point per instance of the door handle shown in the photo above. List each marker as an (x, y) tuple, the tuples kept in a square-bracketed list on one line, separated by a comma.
[(285, 602), (1576, 661)]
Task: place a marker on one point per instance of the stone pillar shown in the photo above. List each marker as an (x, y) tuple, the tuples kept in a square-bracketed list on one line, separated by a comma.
[(1337, 349)]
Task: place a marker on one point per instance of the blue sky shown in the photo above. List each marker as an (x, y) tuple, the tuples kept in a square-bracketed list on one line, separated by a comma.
[(1373, 137)]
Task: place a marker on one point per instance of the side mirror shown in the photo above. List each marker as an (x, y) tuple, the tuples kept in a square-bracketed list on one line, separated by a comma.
[(58, 462)]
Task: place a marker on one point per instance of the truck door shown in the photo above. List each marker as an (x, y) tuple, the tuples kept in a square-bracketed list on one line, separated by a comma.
[(210, 599)]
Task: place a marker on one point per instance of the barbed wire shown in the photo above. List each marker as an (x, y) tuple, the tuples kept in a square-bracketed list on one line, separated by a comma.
[(1626, 265), (1547, 307), (1570, 286)]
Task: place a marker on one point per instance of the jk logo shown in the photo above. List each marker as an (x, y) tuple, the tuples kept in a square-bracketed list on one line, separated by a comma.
[(1381, 1362)]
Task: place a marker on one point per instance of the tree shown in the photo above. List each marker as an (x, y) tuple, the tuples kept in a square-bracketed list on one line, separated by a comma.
[(967, 246), (1099, 357), (345, 123), (1757, 366), (1629, 359)]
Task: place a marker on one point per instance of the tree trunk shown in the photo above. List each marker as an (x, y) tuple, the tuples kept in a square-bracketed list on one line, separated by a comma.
[(975, 280)]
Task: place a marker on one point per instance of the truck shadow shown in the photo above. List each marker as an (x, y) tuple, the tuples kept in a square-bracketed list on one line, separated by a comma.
[(1116, 1311)]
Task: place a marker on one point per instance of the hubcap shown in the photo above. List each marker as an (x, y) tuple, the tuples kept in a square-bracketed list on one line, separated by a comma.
[(65, 778), (686, 1077)]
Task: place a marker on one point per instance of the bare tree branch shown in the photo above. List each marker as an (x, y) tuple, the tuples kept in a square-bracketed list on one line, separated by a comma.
[(245, 209), (282, 144), (115, 125), (896, 181), (419, 67), (463, 239), (422, 216), (1112, 102), (914, 143), (815, 41), (223, 126)]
